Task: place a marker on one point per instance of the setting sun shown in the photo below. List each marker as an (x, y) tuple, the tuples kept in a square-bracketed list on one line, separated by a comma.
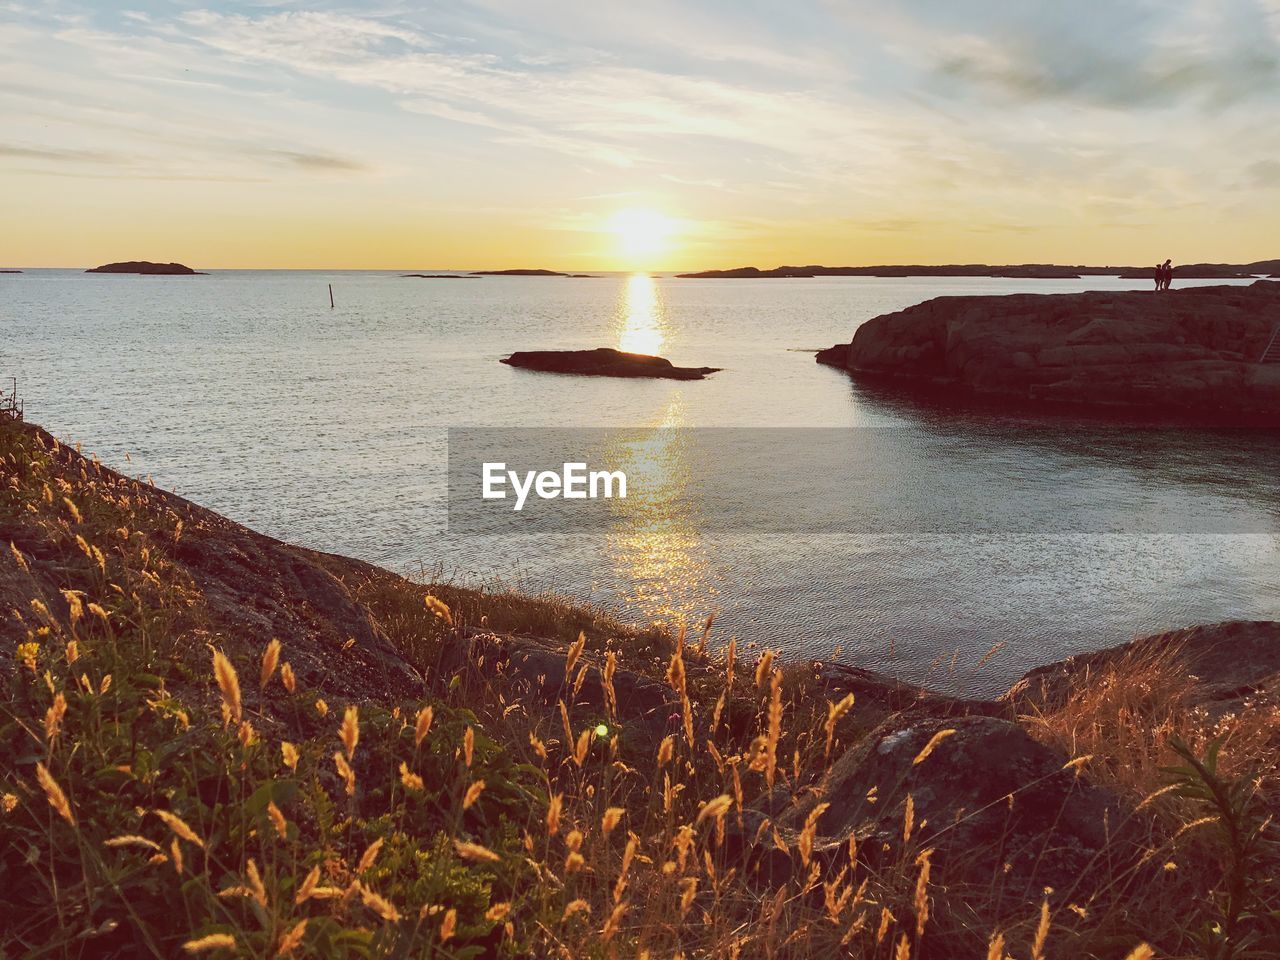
[(641, 233)]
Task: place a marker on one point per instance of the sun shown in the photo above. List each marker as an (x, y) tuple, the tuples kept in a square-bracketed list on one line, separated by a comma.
[(641, 233)]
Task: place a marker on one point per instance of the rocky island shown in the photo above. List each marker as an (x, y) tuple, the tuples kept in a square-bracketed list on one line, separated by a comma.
[(147, 268), (517, 273), (605, 362), (440, 276), (412, 761), (1204, 352)]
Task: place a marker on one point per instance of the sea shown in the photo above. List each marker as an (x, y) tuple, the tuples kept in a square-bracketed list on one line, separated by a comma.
[(330, 426)]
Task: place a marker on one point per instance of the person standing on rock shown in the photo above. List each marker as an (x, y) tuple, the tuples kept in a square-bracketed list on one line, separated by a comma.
[(1168, 273), (1159, 277)]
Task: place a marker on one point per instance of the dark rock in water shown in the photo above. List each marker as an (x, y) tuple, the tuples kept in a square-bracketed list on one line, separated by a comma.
[(148, 268), (517, 273), (604, 362), (835, 356), (581, 276), (10, 271), (440, 276), (1193, 353)]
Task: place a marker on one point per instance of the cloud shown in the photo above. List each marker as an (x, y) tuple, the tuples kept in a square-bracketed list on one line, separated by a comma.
[(319, 161), (55, 155)]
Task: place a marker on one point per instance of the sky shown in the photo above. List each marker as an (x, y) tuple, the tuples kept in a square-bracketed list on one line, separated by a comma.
[(633, 135)]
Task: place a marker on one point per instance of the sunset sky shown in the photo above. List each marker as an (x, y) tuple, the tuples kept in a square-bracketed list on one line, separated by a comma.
[(638, 135)]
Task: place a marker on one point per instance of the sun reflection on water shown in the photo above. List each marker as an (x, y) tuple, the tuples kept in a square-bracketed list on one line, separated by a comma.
[(656, 543), (642, 317)]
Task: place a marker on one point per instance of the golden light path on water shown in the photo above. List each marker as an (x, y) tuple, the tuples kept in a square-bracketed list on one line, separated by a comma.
[(655, 541), (642, 316)]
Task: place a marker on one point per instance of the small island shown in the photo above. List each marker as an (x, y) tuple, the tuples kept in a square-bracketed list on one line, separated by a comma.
[(10, 271), (517, 273), (149, 269), (1202, 353), (439, 276), (605, 362)]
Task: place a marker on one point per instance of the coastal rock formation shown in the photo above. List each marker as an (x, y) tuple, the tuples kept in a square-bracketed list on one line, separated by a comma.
[(439, 276), (147, 268), (10, 271), (1187, 352), (605, 362), (1023, 271), (517, 273)]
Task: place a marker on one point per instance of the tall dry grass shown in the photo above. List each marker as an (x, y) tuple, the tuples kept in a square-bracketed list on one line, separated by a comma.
[(163, 798)]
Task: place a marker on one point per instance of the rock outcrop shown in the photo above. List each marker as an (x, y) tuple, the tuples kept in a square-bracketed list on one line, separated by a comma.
[(1192, 353), (1022, 271), (147, 268), (605, 362)]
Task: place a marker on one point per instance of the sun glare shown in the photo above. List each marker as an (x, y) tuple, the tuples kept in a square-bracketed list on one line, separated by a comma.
[(641, 233)]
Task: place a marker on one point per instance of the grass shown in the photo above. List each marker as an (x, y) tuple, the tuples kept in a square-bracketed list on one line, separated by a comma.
[(169, 789)]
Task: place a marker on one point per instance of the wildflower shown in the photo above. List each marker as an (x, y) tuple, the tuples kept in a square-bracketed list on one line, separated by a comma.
[(255, 883), (439, 608), (309, 884), (716, 808), (553, 814), (423, 725), (228, 684), (835, 711), (448, 924), (610, 819), (369, 856), (575, 651), (382, 907), (287, 678), (468, 745), (1142, 951), (278, 820), (270, 657), (72, 652), (57, 799), (929, 747), (292, 939), (290, 754), (575, 906), (665, 751), (27, 653), (175, 855), (995, 948), (1042, 933), (474, 851), (215, 941), (345, 771), (497, 912), (17, 555), (132, 840), (322, 708), (410, 780), (53, 717), (350, 731), (9, 802), (179, 826), (473, 794)]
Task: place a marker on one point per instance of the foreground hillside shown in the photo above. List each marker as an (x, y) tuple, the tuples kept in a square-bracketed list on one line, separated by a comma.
[(218, 743)]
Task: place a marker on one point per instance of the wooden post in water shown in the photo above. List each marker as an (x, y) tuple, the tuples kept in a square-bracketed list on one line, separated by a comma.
[(331, 296)]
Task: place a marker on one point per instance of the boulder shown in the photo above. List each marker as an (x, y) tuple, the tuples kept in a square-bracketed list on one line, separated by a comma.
[(1001, 811), (605, 362)]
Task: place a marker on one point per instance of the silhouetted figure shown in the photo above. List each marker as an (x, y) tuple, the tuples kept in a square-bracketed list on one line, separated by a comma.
[(1168, 273), (1159, 277)]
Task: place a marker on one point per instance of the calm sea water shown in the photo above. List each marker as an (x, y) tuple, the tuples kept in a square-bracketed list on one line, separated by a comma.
[(245, 392)]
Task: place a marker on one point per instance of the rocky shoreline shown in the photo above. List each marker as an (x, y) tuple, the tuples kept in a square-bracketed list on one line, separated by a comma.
[(1195, 352), (605, 362)]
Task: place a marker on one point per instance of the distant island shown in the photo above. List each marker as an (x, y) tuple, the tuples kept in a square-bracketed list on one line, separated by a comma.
[(147, 268), (517, 273), (440, 276), (10, 271), (1025, 271), (605, 362)]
